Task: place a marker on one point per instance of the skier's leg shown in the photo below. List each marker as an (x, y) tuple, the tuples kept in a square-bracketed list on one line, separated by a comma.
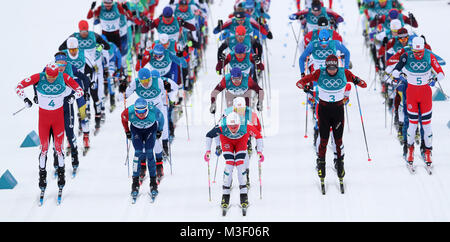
[(71, 138)]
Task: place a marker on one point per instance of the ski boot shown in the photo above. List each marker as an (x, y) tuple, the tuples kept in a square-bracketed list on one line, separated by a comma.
[(321, 172), (75, 162), (112, 102), (142, 171), (42, 179), (225, 204), (244, 203), (135, 188), (103, 116), (159, 170), (405, 150), (153, 188), (427, 159), (165, 144), (61, 177), (410, 159), (320, 167), (400, 137), (85, 143), (339, 166), (97, 123)]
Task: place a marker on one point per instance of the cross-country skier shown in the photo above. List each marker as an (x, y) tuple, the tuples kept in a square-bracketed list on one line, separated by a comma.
[(331, 81), (309, 17), (320, 49), (147, 124), (52, 88), (237, 83), (417, 64), (234, 134)]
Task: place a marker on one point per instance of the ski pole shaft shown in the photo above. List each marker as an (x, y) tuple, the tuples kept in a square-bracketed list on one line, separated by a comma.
[(215, 171), (260, 180), (209, 183), (346, 114), (306, 117), (362, 123), (18, 111)]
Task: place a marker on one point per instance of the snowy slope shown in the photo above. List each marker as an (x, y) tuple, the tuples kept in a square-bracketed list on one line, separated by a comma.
[(380, 190)]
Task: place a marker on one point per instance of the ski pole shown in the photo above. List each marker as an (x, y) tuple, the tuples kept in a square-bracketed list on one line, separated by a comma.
[(215, 171), (362, 123), (346, 114), (170, 147), (19, 110), (260, 180), (127, 160), (209, 182), (306, 119)]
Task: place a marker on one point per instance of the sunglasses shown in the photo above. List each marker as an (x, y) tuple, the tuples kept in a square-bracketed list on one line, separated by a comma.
[(60, 65), (140, 111)]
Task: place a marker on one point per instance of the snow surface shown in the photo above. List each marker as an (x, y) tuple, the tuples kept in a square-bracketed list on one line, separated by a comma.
[(380, 190)]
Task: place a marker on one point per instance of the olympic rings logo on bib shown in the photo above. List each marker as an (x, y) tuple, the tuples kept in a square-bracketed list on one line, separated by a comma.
[(51, 88), (148, 93), (78, 64), (160, 64), (241, 66), (183, 15), (86, 43), (323, 53), (314, 19), (333, 83), (418, 66), (169, 29), (111, 15)]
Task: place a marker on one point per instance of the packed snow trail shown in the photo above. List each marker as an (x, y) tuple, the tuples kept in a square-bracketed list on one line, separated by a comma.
[(380, 190)]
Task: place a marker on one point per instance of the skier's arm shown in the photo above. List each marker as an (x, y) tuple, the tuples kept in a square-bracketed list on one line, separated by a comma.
[(213, 133), (436, 67), (173, 89), (25, 83), (159, 119), (102, 42), (218, 89), (74, 85), (130, 89), (308, 78), (257, 47), (255, 87), (411, 21), (302, 59), (222, 47), (95, 13), (63, 46), (178, 60), (259, 139), (401, 63), (356, 80), (221, 65), (125, 119), (341, 47)]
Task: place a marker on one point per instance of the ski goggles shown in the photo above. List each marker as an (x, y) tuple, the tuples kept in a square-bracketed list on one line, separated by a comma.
[(145, 82), (61, 64)]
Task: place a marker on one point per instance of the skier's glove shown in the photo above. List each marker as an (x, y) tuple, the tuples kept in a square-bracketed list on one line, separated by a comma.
[(122, 86), (270, 35), (293, 17), (128, 134), (218, 150), (93, 85), (257, 59), (432, 81), (207, 156), (222, 57), (124, 6), (307, 89), (93, 5), (139, 56), (220, 24), (212, 109), (158, 134), (35, 99), (303, 74), (70, 99), (259, 106), (261, 156), (167, 86), (345, 100), (28, 102)]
